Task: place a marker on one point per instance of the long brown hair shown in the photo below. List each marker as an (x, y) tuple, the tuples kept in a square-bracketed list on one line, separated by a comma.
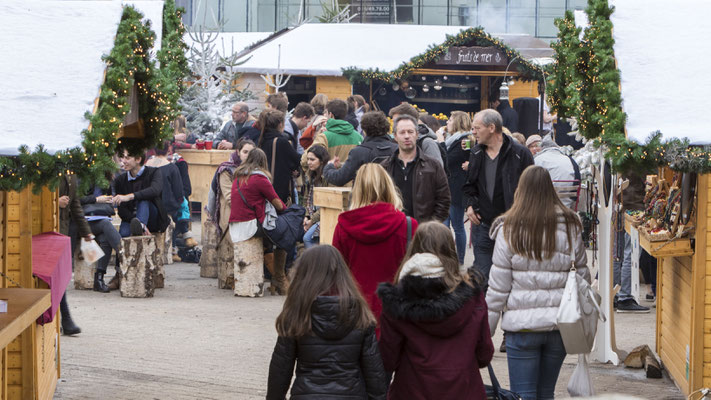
[(269, 120), (373, 184), (530, 225), (321, 270), (256, 161), (435, 238)]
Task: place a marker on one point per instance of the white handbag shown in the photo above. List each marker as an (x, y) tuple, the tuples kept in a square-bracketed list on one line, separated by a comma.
[(578, 313)]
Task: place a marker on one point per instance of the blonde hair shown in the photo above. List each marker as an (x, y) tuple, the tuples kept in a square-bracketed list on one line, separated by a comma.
[(460, 122), (373, 184)]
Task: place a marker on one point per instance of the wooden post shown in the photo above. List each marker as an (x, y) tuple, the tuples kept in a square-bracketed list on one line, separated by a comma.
[(208, 260), (248, 267), (333, 201), (138, 266)]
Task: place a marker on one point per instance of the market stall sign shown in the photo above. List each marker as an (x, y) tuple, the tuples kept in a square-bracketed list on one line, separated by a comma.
[(473, 55), (372, 11)]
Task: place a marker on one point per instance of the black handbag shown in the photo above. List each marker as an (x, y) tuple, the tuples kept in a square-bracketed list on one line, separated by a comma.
[(495, 392)]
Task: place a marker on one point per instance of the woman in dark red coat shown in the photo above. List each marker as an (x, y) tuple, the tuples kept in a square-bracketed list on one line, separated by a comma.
[(434, 329), (372, 236)]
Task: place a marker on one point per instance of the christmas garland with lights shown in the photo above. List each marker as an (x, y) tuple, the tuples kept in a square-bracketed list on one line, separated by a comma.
[(128, 62), (171, 56), (585, 83), (472, 36)]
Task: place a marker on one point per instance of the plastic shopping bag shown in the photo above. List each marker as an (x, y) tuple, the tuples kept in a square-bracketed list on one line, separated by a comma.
[(580, 384), (91, 251)]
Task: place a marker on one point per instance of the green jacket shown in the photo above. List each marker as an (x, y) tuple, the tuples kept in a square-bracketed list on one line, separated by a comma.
[(339, 138)]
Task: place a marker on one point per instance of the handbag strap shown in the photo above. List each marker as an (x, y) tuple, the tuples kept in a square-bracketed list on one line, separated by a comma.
[(409, 231), (274, 142), (494, 382)]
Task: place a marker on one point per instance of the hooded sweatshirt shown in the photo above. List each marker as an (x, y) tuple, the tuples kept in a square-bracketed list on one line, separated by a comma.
[(339, 138), (373, 240), (433, 339), (336, 361)]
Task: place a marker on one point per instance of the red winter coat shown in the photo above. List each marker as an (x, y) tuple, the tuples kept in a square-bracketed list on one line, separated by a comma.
[(434, 341), (373, 240)]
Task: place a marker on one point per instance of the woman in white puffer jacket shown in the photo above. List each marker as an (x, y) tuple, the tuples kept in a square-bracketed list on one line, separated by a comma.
[(527, 279)]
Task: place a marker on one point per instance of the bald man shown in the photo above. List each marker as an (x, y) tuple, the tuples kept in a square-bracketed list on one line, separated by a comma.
[(227, 137)]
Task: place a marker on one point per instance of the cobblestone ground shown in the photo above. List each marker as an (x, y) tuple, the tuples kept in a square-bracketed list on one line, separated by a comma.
[(194, 341)]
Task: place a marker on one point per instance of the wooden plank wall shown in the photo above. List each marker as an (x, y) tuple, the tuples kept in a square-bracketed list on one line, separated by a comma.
[(523, 89), (335, 87), (702, 260)]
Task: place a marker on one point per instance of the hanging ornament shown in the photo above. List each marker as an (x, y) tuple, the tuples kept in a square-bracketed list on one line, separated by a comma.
[(445, 77), (425, 88), (437, 84), (382, 91), (396, 87), (424, 78), (410, 93), (462, 88)]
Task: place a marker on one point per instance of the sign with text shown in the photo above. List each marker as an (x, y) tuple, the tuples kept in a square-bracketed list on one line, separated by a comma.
[(473, 56), (372, 11)]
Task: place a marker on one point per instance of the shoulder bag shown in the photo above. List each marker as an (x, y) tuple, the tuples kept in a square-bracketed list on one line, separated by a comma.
[(495, 391)]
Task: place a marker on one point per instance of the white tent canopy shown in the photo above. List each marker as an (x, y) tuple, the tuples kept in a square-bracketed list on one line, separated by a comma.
[(661, 51), (325, 49), (225, 41), (52, 69)]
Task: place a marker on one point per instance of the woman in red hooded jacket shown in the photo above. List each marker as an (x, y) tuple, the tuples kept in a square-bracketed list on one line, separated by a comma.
[(372, 235)]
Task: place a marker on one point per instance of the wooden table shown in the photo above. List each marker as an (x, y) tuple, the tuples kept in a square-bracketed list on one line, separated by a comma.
[(24, 306), (202, 165)]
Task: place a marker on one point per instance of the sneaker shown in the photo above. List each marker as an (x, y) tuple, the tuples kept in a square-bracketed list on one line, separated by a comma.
[(136, 227), (631, 306)]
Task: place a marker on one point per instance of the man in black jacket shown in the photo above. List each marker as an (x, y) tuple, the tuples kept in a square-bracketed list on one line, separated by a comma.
[(139, 197), (496, 163), (508, 114), (376, 147)]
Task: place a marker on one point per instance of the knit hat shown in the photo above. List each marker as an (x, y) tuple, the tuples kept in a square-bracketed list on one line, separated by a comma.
[(425, 265), (533, 139)]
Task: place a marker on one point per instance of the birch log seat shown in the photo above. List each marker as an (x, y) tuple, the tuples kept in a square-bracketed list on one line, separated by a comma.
[(159, 240), (249, 268), (208, 259), (138, 266), (225, 264), (83, 272)]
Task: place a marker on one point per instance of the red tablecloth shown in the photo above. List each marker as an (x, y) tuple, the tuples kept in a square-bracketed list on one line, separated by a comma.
[(52, 262)]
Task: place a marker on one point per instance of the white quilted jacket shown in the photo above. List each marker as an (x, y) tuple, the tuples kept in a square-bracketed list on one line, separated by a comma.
[(530, 291)]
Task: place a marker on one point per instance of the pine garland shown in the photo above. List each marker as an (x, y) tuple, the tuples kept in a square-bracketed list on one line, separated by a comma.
[(584, 83), (128, 62), (472, 36)]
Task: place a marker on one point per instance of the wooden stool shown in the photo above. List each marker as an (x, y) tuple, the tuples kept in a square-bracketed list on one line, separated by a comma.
[(83, 272), (160, 250), (225, 264), (167, 248), (208, 259), (138, 266), (249, 268)]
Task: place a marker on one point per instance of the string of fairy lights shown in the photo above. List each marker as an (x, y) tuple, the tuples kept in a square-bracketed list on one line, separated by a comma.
[(584, 83), (127, 63), (472, 36)]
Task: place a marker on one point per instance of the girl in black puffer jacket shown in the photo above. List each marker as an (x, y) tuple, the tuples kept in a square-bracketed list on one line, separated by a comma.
[(328, 331)]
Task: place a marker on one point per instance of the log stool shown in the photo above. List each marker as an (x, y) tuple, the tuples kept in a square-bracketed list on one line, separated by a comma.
[(167, 245), (208, 259), (161, 238), (249, 268), (83, 272), (138, 266), (225, 264)]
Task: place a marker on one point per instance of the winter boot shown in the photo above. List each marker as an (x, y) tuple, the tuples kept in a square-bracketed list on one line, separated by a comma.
[(269, 265), (279, 276), (69, 328), (99, 285)]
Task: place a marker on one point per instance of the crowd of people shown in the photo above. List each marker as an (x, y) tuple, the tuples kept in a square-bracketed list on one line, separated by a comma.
[(389, 309)]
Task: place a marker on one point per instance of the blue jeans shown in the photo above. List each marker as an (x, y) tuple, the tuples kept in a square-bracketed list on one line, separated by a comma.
[(534, 360), (147, 213), (483, 251), (311, 237), (456, 218), (622, 265)]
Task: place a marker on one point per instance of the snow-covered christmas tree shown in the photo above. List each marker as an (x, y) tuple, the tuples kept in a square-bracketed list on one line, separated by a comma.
[(214, 89)]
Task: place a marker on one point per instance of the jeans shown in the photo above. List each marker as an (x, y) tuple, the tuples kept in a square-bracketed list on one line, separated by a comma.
[(456, 218), (622, 265), (311, 237), (108, 239), (648, 265), (534, 360), (147, 213), (483, 251)]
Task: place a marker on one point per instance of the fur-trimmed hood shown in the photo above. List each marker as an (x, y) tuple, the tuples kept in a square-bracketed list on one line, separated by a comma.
[(427, 303)]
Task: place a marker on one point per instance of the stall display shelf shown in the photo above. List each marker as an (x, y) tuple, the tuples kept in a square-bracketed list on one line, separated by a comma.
[(675, 248)]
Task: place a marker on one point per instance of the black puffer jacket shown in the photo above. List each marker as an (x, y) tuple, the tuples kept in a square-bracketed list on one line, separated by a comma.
[(336, 362), (373, 149)]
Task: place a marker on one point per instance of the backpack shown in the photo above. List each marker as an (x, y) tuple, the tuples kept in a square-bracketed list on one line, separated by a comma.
[(442, 151), (378, 152)]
